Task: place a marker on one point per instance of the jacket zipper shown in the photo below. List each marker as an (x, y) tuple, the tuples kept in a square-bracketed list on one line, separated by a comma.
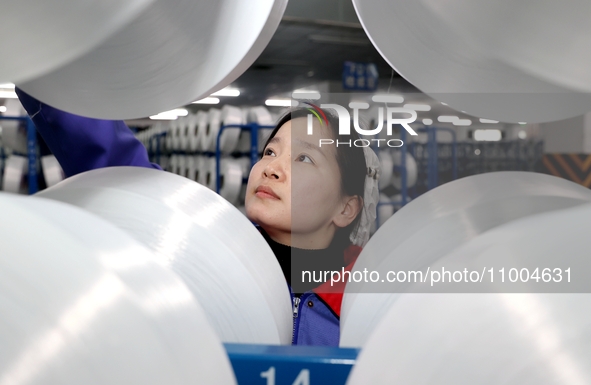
[(296, 306)]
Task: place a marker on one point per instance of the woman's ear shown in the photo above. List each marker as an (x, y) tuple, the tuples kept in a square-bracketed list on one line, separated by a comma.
[(351, 207)]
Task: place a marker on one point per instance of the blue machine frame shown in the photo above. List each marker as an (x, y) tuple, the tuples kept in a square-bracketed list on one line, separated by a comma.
[(290, 365)]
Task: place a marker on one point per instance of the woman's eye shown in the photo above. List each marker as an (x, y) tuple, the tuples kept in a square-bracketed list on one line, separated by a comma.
[(305, 159), (269, 152)]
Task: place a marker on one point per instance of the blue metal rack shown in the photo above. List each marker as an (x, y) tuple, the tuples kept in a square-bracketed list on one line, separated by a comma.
[(32, 155)]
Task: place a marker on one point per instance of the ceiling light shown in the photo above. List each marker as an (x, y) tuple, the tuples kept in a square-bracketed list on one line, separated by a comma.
[(278, 102), (488, 121), (487, 135), (9, 86), (447, 118), (178, 112), (418, 107), (233, 92), (522, 123), (427, 122), (445, 104), (387, 98), (170, 115), (306, 94), (8, 95), (209, 100), (462, 122), (2, 108), (163, 116)]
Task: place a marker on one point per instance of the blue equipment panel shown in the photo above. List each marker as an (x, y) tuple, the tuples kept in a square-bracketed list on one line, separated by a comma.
[(290, 365)]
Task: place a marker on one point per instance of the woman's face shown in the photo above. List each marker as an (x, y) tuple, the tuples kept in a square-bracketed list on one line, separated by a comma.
[(294, 191)]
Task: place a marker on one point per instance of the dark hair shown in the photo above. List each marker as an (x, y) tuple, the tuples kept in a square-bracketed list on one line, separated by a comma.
[(351, 161)]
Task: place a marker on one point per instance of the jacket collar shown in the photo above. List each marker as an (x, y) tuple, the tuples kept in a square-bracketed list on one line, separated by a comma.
[(332, 295)]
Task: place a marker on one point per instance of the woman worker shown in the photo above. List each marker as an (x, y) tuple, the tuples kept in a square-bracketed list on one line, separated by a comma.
[(311, 203)]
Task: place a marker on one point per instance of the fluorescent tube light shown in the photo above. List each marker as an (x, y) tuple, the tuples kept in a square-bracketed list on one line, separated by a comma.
[(487, 135), (278, 102), (233, 92), (488, 121), (208, 100)]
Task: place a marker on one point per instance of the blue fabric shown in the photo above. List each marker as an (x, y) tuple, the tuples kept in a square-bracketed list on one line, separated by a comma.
[(81, 144), (315, 324)]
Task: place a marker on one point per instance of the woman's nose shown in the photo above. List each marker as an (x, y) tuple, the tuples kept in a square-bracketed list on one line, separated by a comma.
[(276, 169)]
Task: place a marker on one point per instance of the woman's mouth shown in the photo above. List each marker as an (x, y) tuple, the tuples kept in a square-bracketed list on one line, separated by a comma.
[(265, 192)]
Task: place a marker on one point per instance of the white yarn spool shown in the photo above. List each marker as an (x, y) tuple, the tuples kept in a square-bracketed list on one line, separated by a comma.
[(230, 180), (145, 68), (15, 172), (52, 171), (509, 338), (94, 303), (245, 113), (174, 164), (191, 131), (184, 127), (438, 222), (486, 339), (214, 116), (229, 140), (184, 132), (62, 32), (386, 168), (412, 170), (261, 116), (182, 167), (197, 130), (191, 164), (169, 136), (175, 130), (528, 35), (200, 166), (243, 141), (463, 77), (217, 252), (209, 180), (228, 115), (245, 165)]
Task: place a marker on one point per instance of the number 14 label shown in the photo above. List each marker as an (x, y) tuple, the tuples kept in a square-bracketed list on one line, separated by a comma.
[(303, 377)]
